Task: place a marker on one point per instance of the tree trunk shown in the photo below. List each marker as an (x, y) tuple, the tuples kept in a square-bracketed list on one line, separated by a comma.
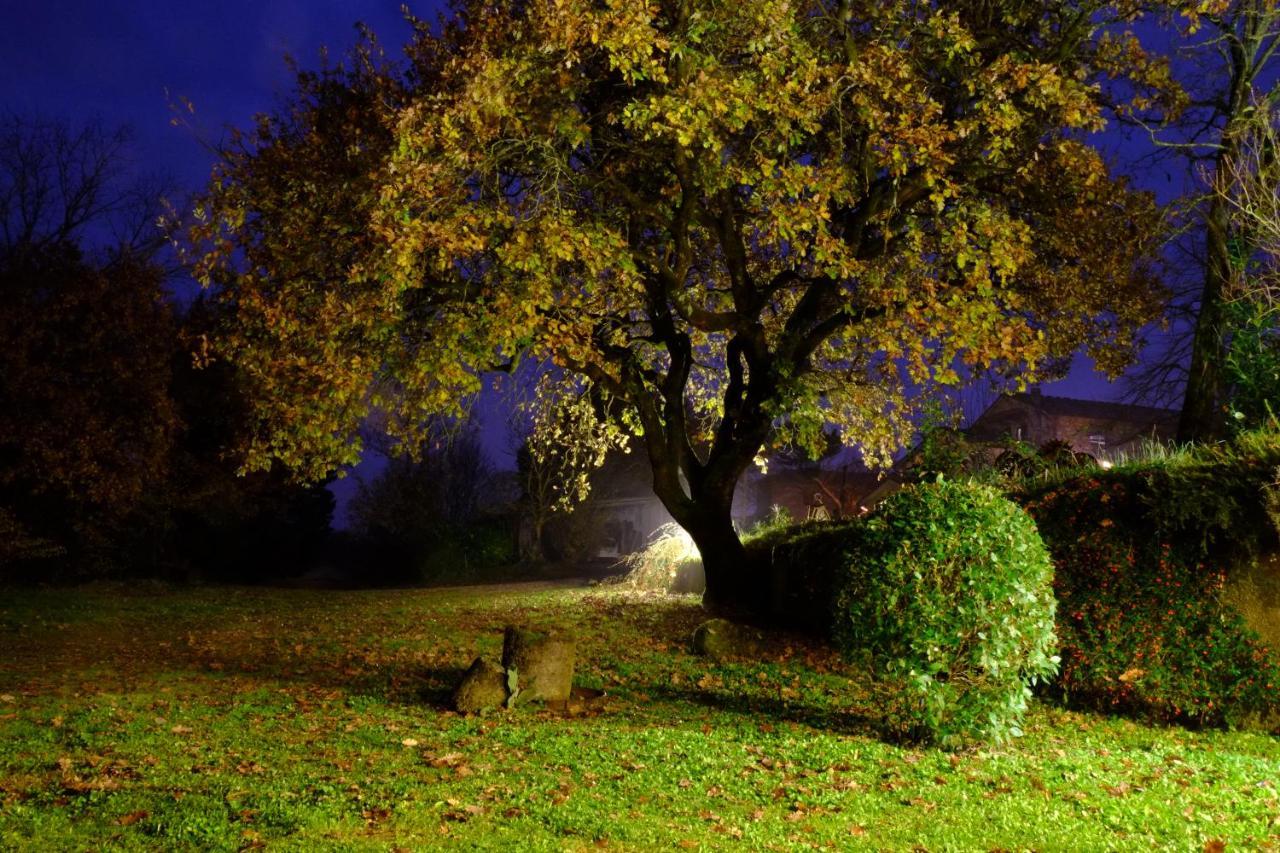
[(540, 541), (724, 559), (705, 512), (1202, 418)]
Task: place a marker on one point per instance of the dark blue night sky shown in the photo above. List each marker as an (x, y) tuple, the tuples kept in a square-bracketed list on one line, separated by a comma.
[(71, 59), (76, 59)]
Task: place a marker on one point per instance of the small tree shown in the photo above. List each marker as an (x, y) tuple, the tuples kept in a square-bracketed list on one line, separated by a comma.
[(1221, 62), (1250, 190), (416, 498), (567, 439)]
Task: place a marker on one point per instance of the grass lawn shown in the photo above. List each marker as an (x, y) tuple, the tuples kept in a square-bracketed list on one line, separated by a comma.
[(158, 718)]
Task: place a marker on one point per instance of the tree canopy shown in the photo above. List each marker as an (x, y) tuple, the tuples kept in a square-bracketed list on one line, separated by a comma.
[(742, 222)]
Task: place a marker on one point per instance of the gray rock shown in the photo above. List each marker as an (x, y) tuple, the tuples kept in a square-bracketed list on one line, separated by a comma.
[(483, 688), (720, 639), (543, 664)]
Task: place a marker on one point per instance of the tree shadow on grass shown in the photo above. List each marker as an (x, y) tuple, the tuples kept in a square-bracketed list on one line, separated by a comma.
[(767, 709), (400, 683), (400, 679)]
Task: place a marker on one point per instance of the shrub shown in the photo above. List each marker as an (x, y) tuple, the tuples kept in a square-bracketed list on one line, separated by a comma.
[(669, 563), (1144, 554), (481, 551), (946, 594)]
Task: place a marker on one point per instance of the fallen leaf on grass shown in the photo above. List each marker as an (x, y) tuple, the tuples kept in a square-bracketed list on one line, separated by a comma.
[(181, 730), (409, 742), (76, 785), (1217, 845), (463, 814), (447, 760), (132, 817)]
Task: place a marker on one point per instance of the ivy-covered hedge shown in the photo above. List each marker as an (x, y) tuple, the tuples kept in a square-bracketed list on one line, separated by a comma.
[(1142, 556)]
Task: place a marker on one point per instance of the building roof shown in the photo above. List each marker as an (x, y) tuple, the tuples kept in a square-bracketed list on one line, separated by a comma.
[(1066, 418), (1101, 410)]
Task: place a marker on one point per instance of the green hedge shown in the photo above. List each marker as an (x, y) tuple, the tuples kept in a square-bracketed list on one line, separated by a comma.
[(796, 568), (1142, 555)]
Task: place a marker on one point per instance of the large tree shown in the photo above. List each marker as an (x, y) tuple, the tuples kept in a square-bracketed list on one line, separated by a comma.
[(741, 222)]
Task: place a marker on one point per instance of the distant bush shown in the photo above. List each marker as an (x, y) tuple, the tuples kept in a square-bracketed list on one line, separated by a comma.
[(778, 520), (949, 600), (482, 551), (1145, 554), (424, 520), (18, 545)]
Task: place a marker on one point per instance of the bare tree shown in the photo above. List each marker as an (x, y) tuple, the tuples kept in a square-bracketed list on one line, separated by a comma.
[(1251, 191), (416, 497), (61, 184), (1225, 72)]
